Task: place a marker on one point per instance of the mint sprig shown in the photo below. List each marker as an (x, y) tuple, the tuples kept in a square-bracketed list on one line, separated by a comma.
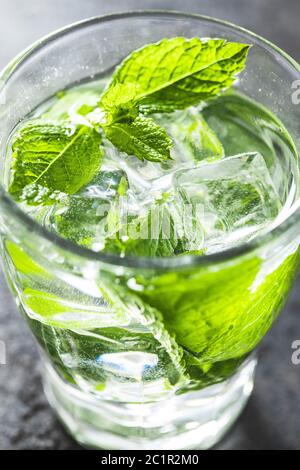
[(56, 157), (163, 77)]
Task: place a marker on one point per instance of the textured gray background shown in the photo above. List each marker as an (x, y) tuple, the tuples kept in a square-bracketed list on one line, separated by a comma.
[(272, 417)]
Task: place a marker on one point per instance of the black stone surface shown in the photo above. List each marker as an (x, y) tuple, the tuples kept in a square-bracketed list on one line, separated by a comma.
[(272, 417)]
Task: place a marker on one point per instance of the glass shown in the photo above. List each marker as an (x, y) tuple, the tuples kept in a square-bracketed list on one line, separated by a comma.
[(113, 372)]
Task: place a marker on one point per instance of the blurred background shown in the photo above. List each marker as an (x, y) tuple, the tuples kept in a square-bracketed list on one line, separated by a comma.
[(272, 417)]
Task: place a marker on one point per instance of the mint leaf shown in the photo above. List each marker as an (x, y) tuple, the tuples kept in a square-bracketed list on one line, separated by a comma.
[(212, 320), (54, 311), (23, 263), (126, 302), (142, 137), (193, 138), (56, 156), (155, 234), (216, 313), (176, 73), (203, 141), (159, 232), (104, 340)]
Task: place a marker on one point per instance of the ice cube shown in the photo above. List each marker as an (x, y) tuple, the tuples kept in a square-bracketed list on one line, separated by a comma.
[(232, 199), (130, 364), (82, 218)]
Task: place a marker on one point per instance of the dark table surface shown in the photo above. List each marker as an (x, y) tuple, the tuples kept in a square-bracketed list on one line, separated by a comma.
[(272, 417)]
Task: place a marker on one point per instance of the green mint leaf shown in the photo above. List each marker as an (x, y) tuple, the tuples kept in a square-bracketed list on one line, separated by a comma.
[(143, 138), (50, 309), (58, 157), (127, 303), (193, 138), (157, 233), (202, 141), (23, 262), (165, 243), (219, 314), (176, 73)]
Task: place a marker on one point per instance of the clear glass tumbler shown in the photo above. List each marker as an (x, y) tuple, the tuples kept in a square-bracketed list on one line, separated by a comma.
[(122, 374)]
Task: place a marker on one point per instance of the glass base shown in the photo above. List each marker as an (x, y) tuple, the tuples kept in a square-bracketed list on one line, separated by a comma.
[(195, 420)]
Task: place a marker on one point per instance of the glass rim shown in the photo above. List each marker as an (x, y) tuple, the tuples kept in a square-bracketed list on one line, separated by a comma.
[(172, 262)]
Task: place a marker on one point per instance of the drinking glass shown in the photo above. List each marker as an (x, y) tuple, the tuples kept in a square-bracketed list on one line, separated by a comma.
[(116, 334)]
